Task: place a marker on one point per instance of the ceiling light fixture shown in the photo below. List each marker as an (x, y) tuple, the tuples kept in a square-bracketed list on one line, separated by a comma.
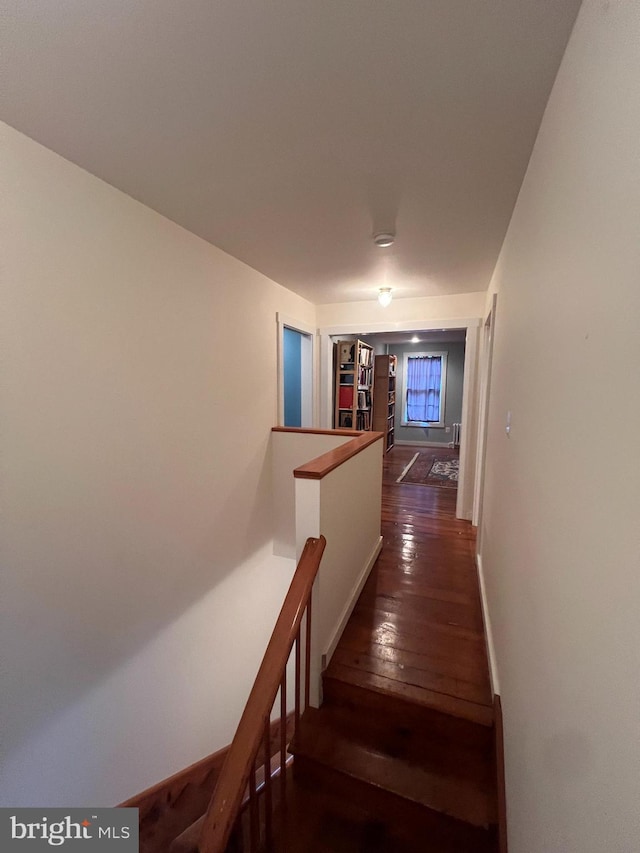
[(384, 296), (384, 240)]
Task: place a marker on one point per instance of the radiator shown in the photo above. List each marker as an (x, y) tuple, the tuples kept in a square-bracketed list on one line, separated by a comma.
[(456, 435)]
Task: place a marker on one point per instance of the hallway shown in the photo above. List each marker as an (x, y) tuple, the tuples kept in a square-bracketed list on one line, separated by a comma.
[(400, 757), (417, 630)]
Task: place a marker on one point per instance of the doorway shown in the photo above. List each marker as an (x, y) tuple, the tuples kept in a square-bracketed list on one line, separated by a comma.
[(485, 359), (468, 328), (295, 374)]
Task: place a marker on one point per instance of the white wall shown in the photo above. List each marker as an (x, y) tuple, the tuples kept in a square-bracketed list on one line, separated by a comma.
[(560, 540), (138, 393), (289, 450), (371, 314)]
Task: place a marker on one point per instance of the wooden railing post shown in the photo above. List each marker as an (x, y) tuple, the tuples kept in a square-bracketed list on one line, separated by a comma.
[(283, 741), (239, 769), (307, 655)]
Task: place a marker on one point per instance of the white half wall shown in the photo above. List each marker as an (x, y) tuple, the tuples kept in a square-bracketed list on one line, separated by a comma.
[(289, 450), (139, 388), (560, 532), (350, 511), (345, 506)]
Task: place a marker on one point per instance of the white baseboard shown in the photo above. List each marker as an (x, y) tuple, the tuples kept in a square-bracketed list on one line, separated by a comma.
[(491, 652), (351, 603)]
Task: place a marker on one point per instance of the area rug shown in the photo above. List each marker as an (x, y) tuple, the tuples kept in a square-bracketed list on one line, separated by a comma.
[(428, 470)]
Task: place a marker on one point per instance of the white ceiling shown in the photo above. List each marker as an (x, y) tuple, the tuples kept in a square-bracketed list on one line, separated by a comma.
[(287, 131)]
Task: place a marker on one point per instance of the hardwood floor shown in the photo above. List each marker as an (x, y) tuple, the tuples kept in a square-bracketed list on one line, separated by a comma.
[(417, 628), (400, 756)]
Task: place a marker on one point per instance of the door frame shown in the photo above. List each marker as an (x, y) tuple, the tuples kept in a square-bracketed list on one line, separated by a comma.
[(466, 482), (485, 362), (308, 350)]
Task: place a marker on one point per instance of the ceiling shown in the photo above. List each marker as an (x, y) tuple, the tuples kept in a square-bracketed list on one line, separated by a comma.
[(287, 132)]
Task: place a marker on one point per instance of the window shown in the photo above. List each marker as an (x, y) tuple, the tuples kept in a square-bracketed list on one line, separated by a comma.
[(425, 381)]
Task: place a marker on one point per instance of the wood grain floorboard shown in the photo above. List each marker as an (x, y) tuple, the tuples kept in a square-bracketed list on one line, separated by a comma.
[(422, 675), (416, 629), (454, 659), (433, 610), (395, 614), (455, 706)]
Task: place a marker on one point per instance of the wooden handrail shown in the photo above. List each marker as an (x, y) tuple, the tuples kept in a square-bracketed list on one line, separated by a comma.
[(238, 769), (347, 433), (318, 468)]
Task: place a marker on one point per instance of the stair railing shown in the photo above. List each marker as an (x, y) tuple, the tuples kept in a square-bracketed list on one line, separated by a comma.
[(253, 732)]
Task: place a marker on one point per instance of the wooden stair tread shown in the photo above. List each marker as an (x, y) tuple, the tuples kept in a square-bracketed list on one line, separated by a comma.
[(321, 821), (381, 634), (414, 740), (476, 712), (401, 666), (457, 786)]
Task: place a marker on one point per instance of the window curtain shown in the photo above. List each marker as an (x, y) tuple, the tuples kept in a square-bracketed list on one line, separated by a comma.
[(423, 388)]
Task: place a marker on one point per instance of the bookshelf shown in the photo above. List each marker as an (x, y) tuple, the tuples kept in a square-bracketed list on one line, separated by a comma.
[(384, 397), (354, 384)]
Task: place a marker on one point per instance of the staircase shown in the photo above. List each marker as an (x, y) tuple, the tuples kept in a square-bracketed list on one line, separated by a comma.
[(371, 772), (374, 772), (402, 756)]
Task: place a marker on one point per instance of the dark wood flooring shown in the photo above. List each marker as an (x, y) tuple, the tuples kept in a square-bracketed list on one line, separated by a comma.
[(399, 758), (417, 630)]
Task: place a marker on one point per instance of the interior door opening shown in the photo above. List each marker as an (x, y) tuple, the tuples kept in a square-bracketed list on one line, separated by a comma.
[(295, 376), (458, 428)]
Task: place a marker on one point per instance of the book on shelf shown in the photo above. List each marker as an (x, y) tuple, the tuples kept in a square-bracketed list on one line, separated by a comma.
[(365, 356), (364, 399), (345, 398), (363, 421), (364, 375)]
